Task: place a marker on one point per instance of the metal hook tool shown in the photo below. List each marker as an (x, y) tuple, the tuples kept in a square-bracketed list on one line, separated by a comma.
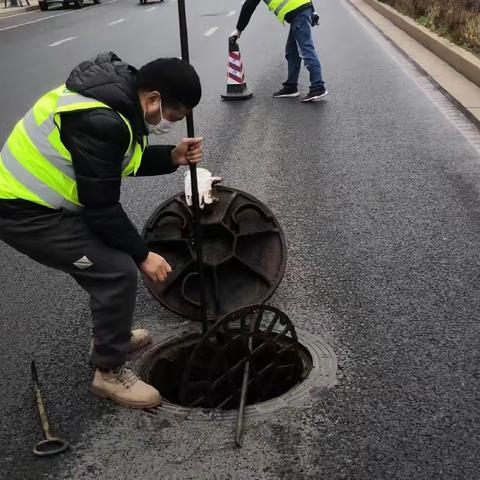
[(51, 445)]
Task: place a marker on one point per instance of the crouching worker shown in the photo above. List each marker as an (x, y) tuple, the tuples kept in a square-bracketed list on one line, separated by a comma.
[(60, 175)]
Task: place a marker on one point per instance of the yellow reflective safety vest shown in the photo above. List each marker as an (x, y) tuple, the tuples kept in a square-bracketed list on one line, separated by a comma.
[(34, 163), (282, 7)]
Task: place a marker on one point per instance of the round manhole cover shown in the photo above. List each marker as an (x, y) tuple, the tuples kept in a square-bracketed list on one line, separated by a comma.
[(197, 374), (244, 253)]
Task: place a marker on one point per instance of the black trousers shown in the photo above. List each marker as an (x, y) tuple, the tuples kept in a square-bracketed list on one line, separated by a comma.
[(62, 240)]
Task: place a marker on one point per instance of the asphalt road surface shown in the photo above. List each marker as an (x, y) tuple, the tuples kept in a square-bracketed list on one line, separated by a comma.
[(377, 191)]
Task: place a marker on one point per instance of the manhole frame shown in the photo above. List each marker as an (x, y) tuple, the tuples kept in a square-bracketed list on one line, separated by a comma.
[(322, 376)]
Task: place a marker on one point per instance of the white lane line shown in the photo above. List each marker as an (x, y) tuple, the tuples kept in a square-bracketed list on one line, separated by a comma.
[(69, 39), (53, 16), (210, 31), (151, 9), (116, 22), (231, 13)]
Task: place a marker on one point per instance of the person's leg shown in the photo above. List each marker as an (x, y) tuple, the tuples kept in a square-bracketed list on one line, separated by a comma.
[(302, 29), (112, 293), (293, 60), (63, 241)]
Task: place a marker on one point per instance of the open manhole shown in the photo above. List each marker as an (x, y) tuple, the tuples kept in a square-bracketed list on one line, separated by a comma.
[(206, 372)]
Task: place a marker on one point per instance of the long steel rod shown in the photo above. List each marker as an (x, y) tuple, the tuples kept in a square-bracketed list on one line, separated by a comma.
[(243, 395), (197, 231)]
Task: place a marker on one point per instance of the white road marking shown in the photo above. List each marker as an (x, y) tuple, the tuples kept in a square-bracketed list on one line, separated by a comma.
[(116, 22), (69, 39), (210, 31), (53, 16), (231, 13), (151, 9)]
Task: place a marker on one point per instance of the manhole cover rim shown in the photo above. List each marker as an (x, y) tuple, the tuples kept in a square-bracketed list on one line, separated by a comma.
[(321, 376)]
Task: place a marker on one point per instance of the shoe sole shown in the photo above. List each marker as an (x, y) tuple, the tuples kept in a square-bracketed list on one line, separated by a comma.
[(288, 95), (316, 98), (102, 394)]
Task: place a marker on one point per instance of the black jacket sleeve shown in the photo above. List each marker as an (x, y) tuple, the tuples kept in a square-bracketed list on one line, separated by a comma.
[(246, 13), (97, 141), (156, 160)]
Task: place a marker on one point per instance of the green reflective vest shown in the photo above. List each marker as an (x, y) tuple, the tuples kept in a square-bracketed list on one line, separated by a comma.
[(281, 7), (34, 163)]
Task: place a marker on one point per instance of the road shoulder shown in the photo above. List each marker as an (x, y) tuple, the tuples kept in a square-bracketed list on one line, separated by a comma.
[(464, 92)]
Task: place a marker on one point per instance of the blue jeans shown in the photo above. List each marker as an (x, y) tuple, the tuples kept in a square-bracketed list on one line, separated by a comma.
[(300, 45)]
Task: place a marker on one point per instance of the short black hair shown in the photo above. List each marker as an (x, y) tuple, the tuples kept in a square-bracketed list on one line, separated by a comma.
[(176, 80)]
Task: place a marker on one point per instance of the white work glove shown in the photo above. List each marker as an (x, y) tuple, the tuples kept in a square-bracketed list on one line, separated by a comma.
[(205, 183), (235, 35)]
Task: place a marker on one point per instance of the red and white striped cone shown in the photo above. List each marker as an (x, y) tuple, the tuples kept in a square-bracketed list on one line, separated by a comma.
[(236, 84)]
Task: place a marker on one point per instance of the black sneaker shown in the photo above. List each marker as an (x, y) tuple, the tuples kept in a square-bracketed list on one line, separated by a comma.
[(287, 92), (314, 95)]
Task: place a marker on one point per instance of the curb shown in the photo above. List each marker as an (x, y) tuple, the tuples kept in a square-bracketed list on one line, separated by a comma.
[(6, 14), (461, 60)]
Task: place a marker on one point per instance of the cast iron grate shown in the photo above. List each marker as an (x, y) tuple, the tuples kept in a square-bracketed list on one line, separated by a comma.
[(207, 372)]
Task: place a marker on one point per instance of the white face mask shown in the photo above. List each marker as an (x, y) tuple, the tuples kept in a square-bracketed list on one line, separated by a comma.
[(162, 127)]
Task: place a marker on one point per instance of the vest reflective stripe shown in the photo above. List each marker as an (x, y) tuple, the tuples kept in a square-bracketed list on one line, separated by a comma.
[(61, 158), (282, 7), (69, 101), (35, 164), (49, 196), (27, 153), (39, 135)]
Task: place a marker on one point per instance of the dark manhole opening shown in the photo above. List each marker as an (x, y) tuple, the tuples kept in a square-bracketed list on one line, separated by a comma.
[(206, 384)]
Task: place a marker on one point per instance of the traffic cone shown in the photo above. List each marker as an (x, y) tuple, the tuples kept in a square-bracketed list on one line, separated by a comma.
[(236, 84)]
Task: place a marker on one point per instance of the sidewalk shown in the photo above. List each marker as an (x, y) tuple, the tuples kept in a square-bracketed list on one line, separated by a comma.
[(23, 7)]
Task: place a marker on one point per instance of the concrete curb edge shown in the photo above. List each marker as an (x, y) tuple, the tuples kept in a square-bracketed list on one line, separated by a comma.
[(6, 14)]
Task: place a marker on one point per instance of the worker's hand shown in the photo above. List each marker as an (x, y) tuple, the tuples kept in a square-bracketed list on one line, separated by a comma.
[(315, 19), (155, 267), (189, 150), (206, 183), (235, 35)]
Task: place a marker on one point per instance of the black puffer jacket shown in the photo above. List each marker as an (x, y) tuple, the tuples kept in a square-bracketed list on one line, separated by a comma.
[(98, 139)]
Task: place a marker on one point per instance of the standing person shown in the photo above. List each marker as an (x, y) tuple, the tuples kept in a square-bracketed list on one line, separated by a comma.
[(301, 17), (60, 175)]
